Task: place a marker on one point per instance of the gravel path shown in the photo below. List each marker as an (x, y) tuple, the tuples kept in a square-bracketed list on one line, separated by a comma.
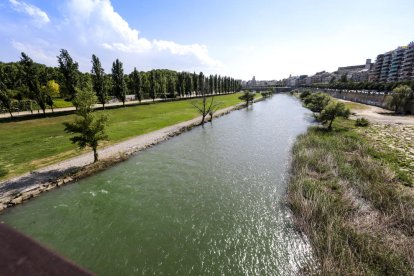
[(380, 115), (18, 189)]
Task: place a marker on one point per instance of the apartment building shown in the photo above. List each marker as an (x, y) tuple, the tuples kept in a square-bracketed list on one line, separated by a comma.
[(407, 68), (396, 65)]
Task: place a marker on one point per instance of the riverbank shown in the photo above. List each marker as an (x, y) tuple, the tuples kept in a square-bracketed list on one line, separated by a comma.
[(27, 186), (350, 197)]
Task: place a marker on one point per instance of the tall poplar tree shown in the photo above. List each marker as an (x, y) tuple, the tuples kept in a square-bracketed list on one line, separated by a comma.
[(98, 81), (70, 73), (118, 81), (136, 84)]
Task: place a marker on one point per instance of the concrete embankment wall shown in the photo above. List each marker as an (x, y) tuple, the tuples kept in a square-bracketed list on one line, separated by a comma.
[(371, 98)]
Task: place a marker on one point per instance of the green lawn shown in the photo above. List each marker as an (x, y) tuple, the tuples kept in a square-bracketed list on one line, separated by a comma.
[(61, 103), (31, 144)]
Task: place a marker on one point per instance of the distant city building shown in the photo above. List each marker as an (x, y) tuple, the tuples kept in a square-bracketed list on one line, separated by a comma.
[(356, 72), (396, 65), (392, 66), (407, 68)]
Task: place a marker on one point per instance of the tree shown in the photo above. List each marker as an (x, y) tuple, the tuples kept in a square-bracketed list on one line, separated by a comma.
[(332, 110), (118, 82), (31, 79), (98, 81), (171, 87), (248, 97), (70, 73), (316, 102), (50, 91), (153, 85), (399, 97), (136, 84), (90, 129), (6, 99), (205, 107)]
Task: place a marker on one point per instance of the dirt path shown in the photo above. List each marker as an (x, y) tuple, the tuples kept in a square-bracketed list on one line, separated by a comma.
[(379, 115), (21, 188)]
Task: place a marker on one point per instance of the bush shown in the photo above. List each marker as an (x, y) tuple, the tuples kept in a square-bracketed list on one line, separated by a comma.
[(305, 94), (361, 122)]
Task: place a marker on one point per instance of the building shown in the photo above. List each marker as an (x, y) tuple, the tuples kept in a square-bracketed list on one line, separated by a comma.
[(356, 72), (376, 71), (407, 68), (397, 57), (385, 67), (396, 65)]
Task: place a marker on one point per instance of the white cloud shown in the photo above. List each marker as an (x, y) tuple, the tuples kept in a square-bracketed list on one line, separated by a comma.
[(97, 22), (38, 15), (86, 27)]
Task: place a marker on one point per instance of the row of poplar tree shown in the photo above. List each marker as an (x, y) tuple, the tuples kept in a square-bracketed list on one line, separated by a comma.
[(26, 85)]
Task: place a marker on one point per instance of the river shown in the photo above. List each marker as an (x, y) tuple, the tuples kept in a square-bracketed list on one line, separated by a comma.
[(208, 202)]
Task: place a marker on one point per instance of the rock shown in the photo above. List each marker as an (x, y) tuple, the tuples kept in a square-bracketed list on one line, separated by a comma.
[(17, 200)]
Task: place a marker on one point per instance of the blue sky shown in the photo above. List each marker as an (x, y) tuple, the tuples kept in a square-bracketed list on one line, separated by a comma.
[(268, 39)]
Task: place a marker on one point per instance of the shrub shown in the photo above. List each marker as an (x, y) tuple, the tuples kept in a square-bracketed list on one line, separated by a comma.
[(361, 122), (304, 94)]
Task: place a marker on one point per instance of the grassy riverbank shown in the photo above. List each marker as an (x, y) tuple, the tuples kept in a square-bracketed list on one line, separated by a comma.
[(351, 200), (31, 144)]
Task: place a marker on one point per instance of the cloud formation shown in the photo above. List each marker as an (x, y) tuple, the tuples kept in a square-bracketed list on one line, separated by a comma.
[(38, 15), (93, 26)]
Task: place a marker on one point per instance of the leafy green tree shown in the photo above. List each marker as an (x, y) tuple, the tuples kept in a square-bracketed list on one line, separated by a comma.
[(195, 82), (69, 70), (316, 102), (50, 91), (171, 87), (153, 85), (399, 97), (98, 81), (31, 79), (189, 84), (332, 110), (201, 85), (90, 129), (6, 99), (118, 81), (248, 97), (136, 84)]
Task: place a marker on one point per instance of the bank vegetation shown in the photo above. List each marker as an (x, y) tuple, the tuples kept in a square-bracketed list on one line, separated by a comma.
[(353, 204)]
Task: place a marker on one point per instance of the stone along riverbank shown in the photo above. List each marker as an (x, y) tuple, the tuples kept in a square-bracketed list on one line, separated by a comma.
[(210, 201)]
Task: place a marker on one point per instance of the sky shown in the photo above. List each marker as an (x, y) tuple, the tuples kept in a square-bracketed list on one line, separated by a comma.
[(269, 39)]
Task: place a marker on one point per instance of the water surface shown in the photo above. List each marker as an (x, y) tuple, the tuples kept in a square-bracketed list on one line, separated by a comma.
[(207, 202)]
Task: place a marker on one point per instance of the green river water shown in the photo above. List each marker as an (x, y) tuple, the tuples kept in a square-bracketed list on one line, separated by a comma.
[(208, 202)]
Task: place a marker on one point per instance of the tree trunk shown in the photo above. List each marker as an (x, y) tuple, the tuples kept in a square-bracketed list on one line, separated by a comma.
[(103, 106), (330, 124), (202, 119), (11, 115), (95, 155)]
